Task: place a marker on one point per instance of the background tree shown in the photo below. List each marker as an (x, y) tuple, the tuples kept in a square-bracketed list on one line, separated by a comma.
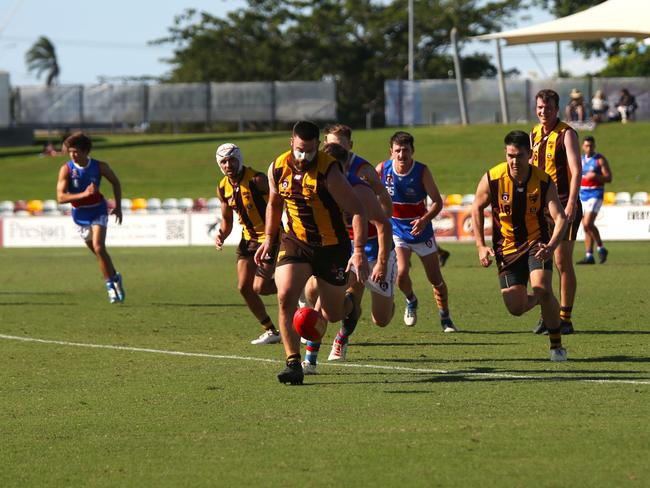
[(359, 43), (41, 59)]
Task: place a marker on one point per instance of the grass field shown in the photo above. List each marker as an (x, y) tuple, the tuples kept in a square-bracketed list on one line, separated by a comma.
[(183, 165), (412, 407), (165, 390)]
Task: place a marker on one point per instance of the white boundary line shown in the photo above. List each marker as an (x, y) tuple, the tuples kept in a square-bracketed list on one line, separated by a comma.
[(341, 365)]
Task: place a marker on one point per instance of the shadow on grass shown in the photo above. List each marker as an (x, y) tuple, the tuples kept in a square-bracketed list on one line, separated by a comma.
[(456, 378), (40, 293), (578, 332), (495, 332), (613, 332), (438, 361), (198, 305), (163, 141), (416, 344), (485, 375)]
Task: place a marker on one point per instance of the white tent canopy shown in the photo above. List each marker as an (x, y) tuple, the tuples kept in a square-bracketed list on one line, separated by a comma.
[(613, 18)]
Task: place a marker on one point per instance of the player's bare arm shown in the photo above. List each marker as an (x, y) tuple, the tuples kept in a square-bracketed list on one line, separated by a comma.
[(107, 172), (225, 226), (606, 176), (344, 196), (481, 201), (370, 176), (560, 221), (378, 218), (273, 218), (418, 225), (262, 183), (575, 169)]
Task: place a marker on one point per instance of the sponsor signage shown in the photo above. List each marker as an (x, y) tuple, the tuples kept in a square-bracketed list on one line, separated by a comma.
[(200, 229)]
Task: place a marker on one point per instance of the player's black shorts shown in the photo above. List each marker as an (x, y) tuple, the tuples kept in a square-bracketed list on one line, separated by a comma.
[(327, 262), (571, 231), (572, 227), (246, 250), (518, 271)]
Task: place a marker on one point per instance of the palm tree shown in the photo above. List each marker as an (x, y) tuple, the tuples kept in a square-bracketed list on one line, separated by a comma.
[(41, 58)]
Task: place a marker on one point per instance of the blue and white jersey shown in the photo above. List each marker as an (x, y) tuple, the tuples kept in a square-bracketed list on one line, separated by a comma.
[(409, 200), (86, 210), (372, 244), (590, 188), (356, 164)]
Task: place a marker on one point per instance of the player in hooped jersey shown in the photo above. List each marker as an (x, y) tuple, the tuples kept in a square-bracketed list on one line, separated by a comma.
[(595, 173), (409, 182), (78, 183)]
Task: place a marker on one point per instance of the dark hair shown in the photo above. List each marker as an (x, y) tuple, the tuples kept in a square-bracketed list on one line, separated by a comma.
[(337, 151), (306, 130), (402, 138), (517, 138), (79, 141), (589, 139), (548, 94), (338, 130)]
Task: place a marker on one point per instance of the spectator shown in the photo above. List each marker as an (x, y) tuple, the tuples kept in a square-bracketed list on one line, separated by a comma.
[(599, 107), (575, 109), (49, 150), (626, 105)]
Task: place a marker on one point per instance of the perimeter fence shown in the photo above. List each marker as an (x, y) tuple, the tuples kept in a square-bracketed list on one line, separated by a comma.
[(427, 102), (174, 103)]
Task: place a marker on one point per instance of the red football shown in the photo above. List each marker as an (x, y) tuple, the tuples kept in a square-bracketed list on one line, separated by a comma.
[(309, 324)]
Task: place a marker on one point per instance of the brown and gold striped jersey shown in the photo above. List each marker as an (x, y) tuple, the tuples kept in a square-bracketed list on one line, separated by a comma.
[(313, 216), (517, 211), (248, 201), (549, 154)]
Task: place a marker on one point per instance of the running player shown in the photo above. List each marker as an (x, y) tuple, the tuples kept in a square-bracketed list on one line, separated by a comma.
[(245, 192), (381, 261), (78, 183), (519, 194), (377, 249), (595, 173), (312, 186), (409, 182), (556, 151)]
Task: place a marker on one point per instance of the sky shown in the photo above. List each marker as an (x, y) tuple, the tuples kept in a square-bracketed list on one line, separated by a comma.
[(96, 39)]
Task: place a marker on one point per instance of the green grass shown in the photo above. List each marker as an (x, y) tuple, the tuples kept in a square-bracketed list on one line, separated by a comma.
[(500, 415), (183, 165)]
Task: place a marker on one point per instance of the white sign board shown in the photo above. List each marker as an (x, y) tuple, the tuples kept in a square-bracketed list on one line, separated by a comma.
[(616, 223), (205, 226), (136, 230), (622, 223)]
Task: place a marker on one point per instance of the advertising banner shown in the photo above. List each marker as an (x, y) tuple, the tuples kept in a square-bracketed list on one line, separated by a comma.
[(616, 223), (136, 230)]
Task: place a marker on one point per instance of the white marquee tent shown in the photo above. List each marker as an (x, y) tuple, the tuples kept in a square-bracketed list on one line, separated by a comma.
[(613, 18)]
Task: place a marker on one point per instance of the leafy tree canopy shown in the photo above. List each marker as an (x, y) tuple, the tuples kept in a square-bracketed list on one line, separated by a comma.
[(360, 43)]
